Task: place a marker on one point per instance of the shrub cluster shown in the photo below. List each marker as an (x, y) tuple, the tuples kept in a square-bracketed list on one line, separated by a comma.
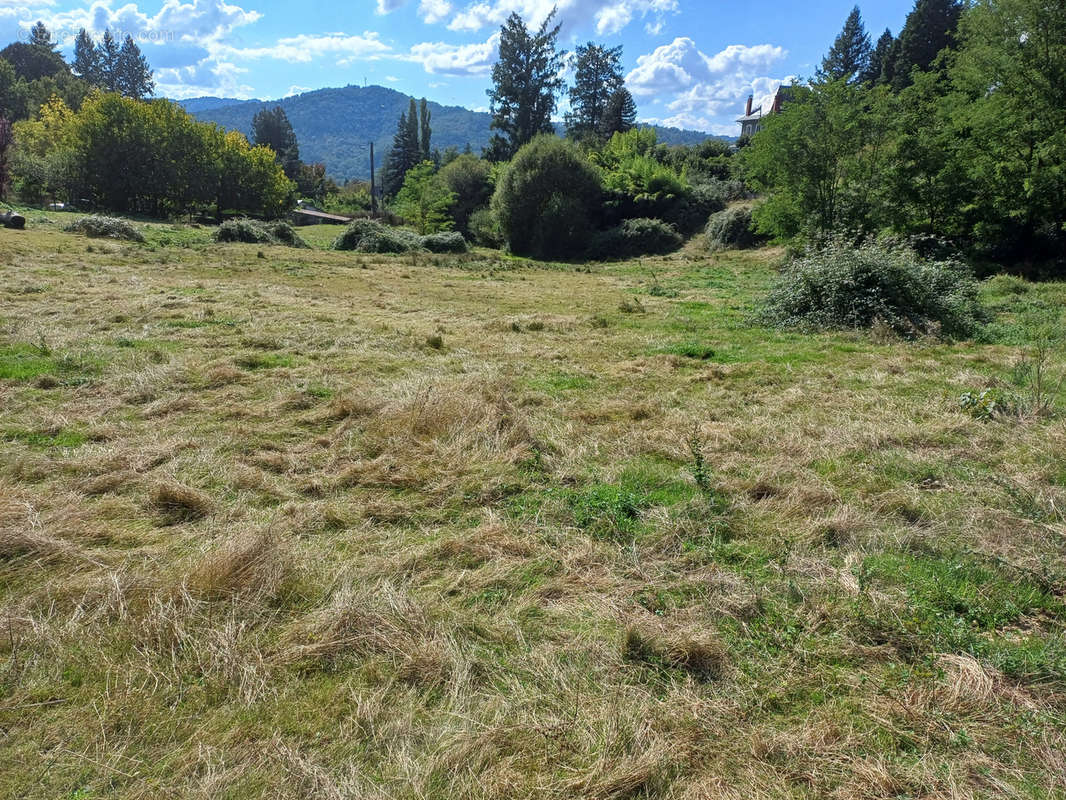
[(254, 232), (371, 236), (635, 237), (446, 242), (485, 229), (731, 229), (841, 286), (546, 198), (106, 228)]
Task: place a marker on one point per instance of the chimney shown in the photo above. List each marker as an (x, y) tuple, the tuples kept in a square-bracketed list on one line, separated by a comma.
[(747, 110)]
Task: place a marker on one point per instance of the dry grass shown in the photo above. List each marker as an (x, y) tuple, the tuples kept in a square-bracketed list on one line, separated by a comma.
[(178, 503), (260, 538)]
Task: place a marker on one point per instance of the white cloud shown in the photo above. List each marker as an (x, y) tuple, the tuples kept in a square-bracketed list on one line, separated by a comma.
[(433, 11), (441, 58), (307, 47), (294, 90), (610, 16), (699, 89), (388, 6)]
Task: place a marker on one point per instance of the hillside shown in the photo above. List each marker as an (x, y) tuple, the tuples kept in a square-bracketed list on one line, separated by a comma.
[(305, 524), (335, 126)]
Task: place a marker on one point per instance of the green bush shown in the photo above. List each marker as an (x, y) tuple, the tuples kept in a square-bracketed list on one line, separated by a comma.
[(253, 231), (858, 287), (485, 228), (690, 211), (545, 199), (447, 242), (635, 237), (105, 228), (731, 229), (469, 179), (370, 236), (284, 233)]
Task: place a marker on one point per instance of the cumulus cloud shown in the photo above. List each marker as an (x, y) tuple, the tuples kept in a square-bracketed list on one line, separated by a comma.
[(433, 11), (610, 16), (307, 47), (440, 58), (701, 87), (388, 6)]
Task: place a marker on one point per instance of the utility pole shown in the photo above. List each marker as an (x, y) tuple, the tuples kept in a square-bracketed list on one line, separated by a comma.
[(373, 192)]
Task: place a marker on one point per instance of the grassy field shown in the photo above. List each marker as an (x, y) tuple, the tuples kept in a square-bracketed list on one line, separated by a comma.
[(297, 523)]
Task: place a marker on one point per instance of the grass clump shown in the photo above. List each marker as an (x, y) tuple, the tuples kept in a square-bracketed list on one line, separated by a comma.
[(731, 229), (445, 242), (370, 236), (636, 237), (703, 656), (841, 287), (252, 231), (179, 503), (105, 228)]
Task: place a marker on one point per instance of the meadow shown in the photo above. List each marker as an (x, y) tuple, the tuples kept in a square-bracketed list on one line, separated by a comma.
[(283, 522)]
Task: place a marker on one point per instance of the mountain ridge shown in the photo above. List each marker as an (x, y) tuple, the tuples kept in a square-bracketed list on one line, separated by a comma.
[(335, 125)]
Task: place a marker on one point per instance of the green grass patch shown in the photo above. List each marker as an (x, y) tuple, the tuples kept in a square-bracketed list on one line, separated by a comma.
[(255, 361), (966, 605), (43, 439), (560, 382), (24, 362)]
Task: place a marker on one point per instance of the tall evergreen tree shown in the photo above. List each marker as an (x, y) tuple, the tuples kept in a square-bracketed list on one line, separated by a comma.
[(929, 28), (41, 37), (525, 82), (849, 57), (108, 52), (620, 114), (880, 59), (134, 75), (86, 58), (273, 129), (597, 76), (406, 153), (423, 124)]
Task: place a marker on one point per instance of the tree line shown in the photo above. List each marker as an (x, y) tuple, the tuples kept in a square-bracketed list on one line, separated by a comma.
[(93, 139), (952, 132)]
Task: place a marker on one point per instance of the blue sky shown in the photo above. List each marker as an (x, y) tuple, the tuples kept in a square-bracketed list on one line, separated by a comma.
[(689, 64)]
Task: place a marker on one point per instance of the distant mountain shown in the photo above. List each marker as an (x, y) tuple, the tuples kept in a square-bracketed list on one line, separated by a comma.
[(335, 126), (197, 104)]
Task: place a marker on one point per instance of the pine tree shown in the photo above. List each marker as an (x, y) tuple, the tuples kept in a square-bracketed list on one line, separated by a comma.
[(412, 150), (108, 52), (525, 82), (597, 76), (86, 59), (880, 60), (849, 56), (423, 124), (273, 129), (134, 75), (929, 28), (41, 37), (620, 115), (406, 153)]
